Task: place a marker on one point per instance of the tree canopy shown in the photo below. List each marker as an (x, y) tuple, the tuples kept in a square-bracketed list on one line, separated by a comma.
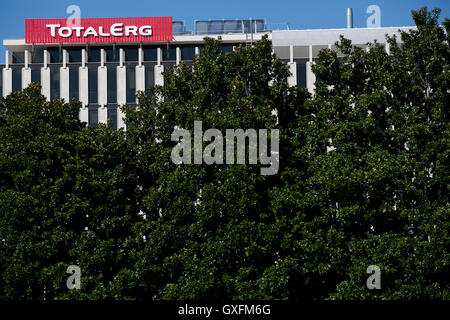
[(363, 180)]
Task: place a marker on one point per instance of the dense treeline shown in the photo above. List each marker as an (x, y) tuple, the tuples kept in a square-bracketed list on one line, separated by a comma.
[(363, 180)]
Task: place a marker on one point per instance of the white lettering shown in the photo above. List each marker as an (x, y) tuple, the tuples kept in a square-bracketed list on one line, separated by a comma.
[(78, 31), (53, 29), (145, 30), (131, 30), (101, 33), (116, 29), (65, 32), (90, 31)]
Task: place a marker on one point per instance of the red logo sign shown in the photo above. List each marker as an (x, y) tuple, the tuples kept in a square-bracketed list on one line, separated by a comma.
[(98, 30)]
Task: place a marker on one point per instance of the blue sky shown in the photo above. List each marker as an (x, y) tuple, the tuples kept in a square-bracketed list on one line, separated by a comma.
[(300, 14)]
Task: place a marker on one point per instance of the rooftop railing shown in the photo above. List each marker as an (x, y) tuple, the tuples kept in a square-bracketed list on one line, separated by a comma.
[(205, 27)]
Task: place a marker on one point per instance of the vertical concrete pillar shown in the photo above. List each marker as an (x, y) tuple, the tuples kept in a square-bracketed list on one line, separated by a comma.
[(159, 78), (291, 53), (102, 89), (27, 59), (7, 81), (7, 74), (140, 79), (121, 57), (158, 56), (26, 71), (26, 77), (310, 77), (102, 114), (64, 83), (83, 57), (178, 58), (8, 59), (292, 79), (388, 48), (102, 57), (121, 85), (140, 56), (45, 76), (102, 86), (310, 53), (65, 56), (197, 51), (83, 87)]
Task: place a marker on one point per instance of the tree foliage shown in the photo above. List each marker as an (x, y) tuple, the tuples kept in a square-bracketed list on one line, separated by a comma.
[(363, 180)]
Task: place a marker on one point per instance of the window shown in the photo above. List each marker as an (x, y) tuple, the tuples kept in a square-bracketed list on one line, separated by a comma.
[(112, 117), (55, 55), (94, 55), (18, 57), (73, 83), (112, 54), (74, 55), (37, 56), (301, 75), (169, 53), (36, 75), (93, 118), (131, 53), (226, 48), (112, 85), (187, 53), (131, 85), (16, 80), (54, 83), (150, 53), (92, 85), (149, 79), (1, 83)]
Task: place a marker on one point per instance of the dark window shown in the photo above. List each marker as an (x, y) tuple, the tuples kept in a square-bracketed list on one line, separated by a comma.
[(131, 53), (94, 55), (37, 56), (112, 85), (150, 53), (73, 83), (226, 48), (169, 54), (112, 117), (93, 118), (112, 54), (74, 55), (1, 83), (149, 79), (187, 53), (16, 80), (93, 85), (18, 57), (54, 83), (55, 55), (36, 75), (131, 85), (301, 75)]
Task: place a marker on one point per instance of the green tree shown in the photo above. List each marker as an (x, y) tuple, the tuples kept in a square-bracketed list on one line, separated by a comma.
[(66, 198), (375, 143)]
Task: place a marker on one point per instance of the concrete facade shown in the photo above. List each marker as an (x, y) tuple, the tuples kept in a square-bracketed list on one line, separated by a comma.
[(297, 48)]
